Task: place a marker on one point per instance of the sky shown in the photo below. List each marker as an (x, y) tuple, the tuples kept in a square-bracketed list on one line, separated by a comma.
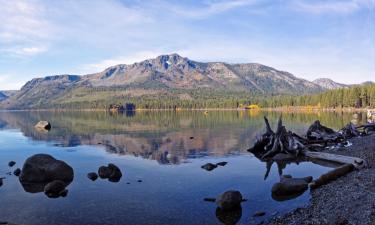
[(308, 38)]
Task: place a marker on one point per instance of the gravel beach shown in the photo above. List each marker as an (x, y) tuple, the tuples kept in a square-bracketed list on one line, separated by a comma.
[(348, 200)]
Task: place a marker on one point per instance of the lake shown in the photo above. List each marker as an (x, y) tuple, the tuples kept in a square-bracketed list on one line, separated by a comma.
[(160, 155)]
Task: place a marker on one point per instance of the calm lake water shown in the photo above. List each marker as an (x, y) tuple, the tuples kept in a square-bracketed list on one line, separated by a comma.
[(163, 149)]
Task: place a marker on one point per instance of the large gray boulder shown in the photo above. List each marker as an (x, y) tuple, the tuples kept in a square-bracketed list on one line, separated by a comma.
[(289, 187), (43, 168), (229, 200)]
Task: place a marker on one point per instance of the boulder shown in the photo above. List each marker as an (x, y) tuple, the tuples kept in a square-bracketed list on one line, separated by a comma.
[(43, 125), (289, 186), (55, 189), (17, 172), (43, 168), (229, 200), (11, 163), (209, 166), (110, 172), (92, 176)]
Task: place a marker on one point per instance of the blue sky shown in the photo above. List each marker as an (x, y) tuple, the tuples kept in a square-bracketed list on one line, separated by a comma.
[(311, 39)]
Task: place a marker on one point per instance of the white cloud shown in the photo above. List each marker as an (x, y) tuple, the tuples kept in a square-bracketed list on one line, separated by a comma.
[(8, 83), (337, 6), (210, 9)]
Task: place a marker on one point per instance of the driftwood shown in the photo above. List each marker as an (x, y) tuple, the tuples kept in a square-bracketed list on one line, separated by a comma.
[(349, 131), (332, 175), (318, 132), (281, 141), (341, 159)]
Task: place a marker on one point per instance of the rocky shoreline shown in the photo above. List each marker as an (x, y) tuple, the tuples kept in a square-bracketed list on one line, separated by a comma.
[(348, 200)]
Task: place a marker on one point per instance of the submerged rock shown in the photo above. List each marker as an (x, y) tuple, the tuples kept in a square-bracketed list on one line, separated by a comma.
[(229, 217), (43, 125), (259, 213), (92, 176), (110, 172), (289, 187), (55, 189), (17, 172), (43, 168), (209, 166), (229, 200), (11, 163)]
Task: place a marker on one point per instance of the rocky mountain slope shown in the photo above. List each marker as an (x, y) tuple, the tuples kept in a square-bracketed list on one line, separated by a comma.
[(329, 84), (164, 73)]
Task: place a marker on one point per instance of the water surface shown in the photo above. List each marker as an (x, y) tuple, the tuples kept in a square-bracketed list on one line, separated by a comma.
[(164, 150)]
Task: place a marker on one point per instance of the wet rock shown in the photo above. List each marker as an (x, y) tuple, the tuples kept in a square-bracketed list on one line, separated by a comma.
[(92, 176), (209, 199), (290, 187), (110, 172), (43, 168), (209, 166), (55, 189), (17, 172), (1, 181), (43, 125), (259, 213), (139, 181), (221, 163), (191, 138), (229, 217), (229, 200), (11, 163)]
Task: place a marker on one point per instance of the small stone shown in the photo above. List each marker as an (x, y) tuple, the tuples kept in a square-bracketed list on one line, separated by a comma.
[(17, 172), (110, 172), (221, 163), (11, 163), (229, 200), (139, 181), (209, 199), (208, 166), (92, 176), (259, 213)]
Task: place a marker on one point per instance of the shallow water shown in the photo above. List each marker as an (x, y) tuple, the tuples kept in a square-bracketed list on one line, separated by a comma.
[(164, 150)]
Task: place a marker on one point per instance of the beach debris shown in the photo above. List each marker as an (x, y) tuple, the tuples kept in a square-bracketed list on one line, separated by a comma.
[(43, 125), (110, 172), (11, 163), (92, 176)]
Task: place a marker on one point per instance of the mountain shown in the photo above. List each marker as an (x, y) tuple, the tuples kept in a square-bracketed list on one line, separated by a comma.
[(167, 78), (2, 96), (329, 84)]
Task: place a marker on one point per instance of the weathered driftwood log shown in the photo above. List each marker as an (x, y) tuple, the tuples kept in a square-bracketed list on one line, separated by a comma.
[(367, 127), (321, 133), (356, 162), (281, 141), (349, 131), (332, 175)]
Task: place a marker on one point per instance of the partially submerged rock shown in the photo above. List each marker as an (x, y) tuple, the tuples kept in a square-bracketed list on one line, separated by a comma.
[(259, 213), (1, 181), (229, 217), (221, 163), (209, 166), (43, 125), (229, 200), (43, 173), (55, 189), (110, 172), (17, 172), (11, 163), (41, 168), (92, 176), (289, 187)]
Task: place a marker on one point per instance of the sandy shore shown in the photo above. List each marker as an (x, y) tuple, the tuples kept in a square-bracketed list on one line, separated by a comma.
[(348, 200)]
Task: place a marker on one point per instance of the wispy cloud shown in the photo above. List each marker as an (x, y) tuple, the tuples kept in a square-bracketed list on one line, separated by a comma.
[(209, 9), (336, 6)]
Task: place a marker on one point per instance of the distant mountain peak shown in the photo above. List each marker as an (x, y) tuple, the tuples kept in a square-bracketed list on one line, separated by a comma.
[(327, 83)]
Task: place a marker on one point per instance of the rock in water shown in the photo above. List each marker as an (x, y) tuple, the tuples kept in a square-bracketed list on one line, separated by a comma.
[(110, 172), (55, 189), (259, 213), (229, 200), (289, 186), (1, 181), (17, 172), (209, 166), (43, 168), (43, 125), (11, 163), (92, 176), (221, 163)]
